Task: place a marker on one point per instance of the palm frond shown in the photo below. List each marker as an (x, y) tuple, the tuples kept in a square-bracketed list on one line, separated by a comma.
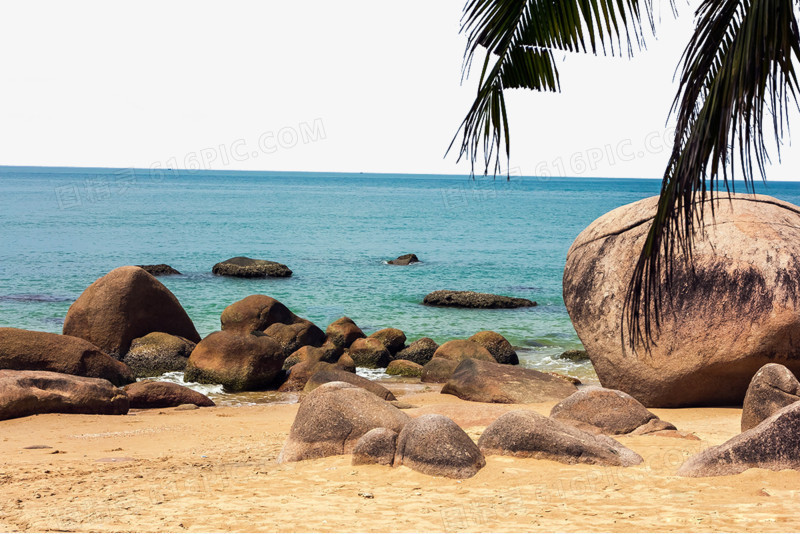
[(519, 37), (738, 70)]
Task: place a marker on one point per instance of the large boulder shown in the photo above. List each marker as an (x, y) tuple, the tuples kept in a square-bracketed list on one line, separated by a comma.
[(158, 353), (255, 313), (438, 370), (421, 351), (435, 445), (392, 338), (343, 331), (527, 434), (772, 444), (497, 345), (123, 305), (333, 417), (481, 381), (244, 267), (24, 393), (239, 362), (733, 310), (163, 395), (333, 373), (405, 259), (26, 350), (377, 446), (370, 353), (460, 349), (604, 410), (294, 336), (472, 299), (773, 387)]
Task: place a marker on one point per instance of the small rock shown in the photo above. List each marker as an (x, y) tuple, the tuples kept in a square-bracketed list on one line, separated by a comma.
[(244, 267), (405, 259), (161, 269), (472, 299)]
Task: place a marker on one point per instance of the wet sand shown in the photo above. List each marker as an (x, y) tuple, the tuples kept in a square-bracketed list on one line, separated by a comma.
[(214, 469)]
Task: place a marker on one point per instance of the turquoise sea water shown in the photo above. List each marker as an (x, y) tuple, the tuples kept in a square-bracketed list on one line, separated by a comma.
[(62, 228)]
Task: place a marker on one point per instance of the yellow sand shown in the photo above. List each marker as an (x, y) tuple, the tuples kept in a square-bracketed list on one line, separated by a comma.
[(214, 469)]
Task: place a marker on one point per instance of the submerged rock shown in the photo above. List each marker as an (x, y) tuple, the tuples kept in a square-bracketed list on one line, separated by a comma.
[(574, 356), (405, 259), (735, 309), (472, 299), (244, 267), (126, 304), (161, 269)]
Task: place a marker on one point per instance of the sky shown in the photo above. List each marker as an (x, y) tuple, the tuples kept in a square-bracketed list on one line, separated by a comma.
[(346, 86)]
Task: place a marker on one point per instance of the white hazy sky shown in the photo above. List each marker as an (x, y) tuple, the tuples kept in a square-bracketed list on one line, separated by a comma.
[(364, 85)]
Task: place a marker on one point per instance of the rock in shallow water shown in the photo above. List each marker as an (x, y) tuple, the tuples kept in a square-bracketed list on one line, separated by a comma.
[(472, 299), (244, 267), (405, 259), (158, 353), (161, 269)]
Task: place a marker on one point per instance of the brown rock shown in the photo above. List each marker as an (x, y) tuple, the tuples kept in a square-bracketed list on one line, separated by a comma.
[(497, 345), (773, 387), (421, 351), (745, 299), (294, 336), (609, 410), (256, 312), (471, 299), (653, 426), (244, 267), (346, 363), (438, 370), (404, 368), (335, 374), (342, 332), (772, 444), (300, 373), (123, 305), (481, 381), (161, 269), (376, 447), (163, 395), (333, 417), (527, 434), (433, 444), (370, 353), (158, 353), (405, 259), (460, 349), (393, 339), (326, 353), (42, 351), (24, 393), (237, 361)]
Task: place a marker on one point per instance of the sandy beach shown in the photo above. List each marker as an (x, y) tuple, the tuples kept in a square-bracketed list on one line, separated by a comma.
[(215, 469)]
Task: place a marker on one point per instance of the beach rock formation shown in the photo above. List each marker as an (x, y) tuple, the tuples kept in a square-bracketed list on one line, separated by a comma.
[(377, 446), (296, 335), (497, 345), (244, 267), (574, 355), (471, 299), (123, 305), (328, 352), (238, 361), (404, 368), (527, 434), (333, 373), (608, 411), (460, 349), (482, 381), (369, 352), (158, 353), (343, 331), (346, 363), (772, 388), (333, 417), (162, 269), (392, 338), (438, 370), (743, 288), (405, 259), (300, 373), (163, 395), (24, 393), (421, 351), (772, 444), (435, 445), (26, 350)]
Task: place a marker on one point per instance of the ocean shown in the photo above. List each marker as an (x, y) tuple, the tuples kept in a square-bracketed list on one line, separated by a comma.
[(62, 228)]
